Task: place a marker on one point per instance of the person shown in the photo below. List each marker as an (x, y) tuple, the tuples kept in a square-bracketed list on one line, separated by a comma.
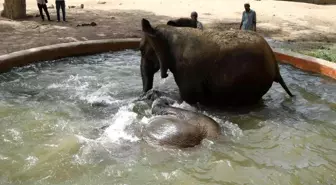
[(60, 4), (194, 16), (41, 4), (249, 20)]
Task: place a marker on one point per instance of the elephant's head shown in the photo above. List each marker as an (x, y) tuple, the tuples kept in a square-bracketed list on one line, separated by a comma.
[(150, 62)]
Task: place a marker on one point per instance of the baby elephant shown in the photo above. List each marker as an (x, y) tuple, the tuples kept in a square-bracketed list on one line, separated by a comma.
[(178, 127)]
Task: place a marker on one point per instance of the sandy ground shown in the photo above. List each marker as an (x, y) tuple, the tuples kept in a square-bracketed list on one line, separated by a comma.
[(297, 24)]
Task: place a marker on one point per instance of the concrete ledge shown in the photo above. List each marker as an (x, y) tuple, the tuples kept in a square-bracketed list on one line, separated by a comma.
[(306, 63), (57, 51)]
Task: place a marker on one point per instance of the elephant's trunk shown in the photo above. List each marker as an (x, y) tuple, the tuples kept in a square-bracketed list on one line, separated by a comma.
[(147, 77)]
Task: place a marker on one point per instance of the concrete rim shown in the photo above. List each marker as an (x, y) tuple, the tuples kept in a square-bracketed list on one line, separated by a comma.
[(306, 63), (57, 51)]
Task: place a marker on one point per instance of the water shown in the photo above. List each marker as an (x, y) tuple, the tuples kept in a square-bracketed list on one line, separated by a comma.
[(50, 114)]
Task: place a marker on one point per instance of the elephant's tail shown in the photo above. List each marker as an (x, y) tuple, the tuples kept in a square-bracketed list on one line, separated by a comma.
[(280, 80), (278, 77)]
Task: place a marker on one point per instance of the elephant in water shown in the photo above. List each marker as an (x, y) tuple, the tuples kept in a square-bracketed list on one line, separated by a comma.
[(172, 126), (178, 127), (214, 68)]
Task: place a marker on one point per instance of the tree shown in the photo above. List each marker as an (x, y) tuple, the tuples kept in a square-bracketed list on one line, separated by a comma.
[(14, 9)]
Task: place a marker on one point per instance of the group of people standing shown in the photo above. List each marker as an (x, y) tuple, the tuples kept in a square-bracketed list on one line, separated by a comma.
[(60, 5), (248, 22)]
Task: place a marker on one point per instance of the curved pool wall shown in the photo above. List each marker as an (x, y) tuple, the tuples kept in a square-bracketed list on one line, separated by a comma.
[(57, 51), (306, 63)]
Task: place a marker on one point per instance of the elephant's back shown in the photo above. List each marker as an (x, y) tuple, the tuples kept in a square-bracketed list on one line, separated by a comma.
[(242, 56), (233, 39), (171, 131)]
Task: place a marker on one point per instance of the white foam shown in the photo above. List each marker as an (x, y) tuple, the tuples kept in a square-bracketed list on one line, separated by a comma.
[(82, 90), (99, 96), (16, 135), (3, 157), (31, 161), (144, 120), (116, 131), (184, 105)]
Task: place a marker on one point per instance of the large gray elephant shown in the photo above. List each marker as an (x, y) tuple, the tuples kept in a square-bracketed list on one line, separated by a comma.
[(214, 68), (176, 127)]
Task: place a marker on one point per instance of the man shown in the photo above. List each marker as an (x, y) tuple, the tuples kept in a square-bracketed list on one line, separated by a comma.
[(41, 4), (249, 20), (60, 4), (194, 16)]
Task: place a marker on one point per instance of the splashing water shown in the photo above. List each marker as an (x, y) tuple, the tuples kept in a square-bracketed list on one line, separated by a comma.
[(51, 114)]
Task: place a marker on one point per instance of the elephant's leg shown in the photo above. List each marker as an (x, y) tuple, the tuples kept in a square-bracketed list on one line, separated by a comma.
[(191, 92)]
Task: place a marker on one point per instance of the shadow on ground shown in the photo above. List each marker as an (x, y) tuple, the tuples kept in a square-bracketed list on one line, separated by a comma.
[(33, 32)]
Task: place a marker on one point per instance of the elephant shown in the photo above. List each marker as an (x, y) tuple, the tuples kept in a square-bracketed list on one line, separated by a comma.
[(151, 65), (176, 127), (183, 22), (212, 68)]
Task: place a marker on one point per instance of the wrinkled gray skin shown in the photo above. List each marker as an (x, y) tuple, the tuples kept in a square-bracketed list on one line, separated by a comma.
[(214, 68), (150, 63), (176, 127)]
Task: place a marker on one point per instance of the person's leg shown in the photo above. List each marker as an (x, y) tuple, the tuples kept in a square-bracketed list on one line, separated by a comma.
[(40, 9), (45, 8), (63, 9), (58, 6)]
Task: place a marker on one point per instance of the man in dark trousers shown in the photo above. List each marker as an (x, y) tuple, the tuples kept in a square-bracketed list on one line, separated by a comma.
[(60, 4), (41, 4)]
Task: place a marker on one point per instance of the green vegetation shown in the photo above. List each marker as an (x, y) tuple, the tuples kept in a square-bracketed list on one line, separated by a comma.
[(326, 54)]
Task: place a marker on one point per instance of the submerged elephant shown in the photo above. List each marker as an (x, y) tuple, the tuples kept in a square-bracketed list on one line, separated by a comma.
[(179, 127), (214, 68)]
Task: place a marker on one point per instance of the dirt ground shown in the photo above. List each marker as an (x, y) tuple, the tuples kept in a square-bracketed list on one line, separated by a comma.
[(298, 25)]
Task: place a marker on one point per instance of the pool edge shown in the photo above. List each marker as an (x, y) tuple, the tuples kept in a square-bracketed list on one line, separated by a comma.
[(306, 63), (57, 51)]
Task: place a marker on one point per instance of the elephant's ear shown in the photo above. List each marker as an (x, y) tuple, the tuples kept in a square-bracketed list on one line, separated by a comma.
[(147, 28), (171, 23)]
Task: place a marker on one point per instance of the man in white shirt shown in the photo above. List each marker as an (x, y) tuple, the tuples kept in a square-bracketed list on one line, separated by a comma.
[(194, 16), (41, 4), (249, 19)]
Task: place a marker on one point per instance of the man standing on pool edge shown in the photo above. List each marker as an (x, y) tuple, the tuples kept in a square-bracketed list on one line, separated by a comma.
[(60, 4), (249, 19)]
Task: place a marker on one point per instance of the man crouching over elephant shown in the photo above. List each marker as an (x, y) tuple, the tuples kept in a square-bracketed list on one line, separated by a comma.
[(214, 68)]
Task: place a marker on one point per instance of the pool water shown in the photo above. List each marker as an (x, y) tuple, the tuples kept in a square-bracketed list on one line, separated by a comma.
[(51, 112)]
